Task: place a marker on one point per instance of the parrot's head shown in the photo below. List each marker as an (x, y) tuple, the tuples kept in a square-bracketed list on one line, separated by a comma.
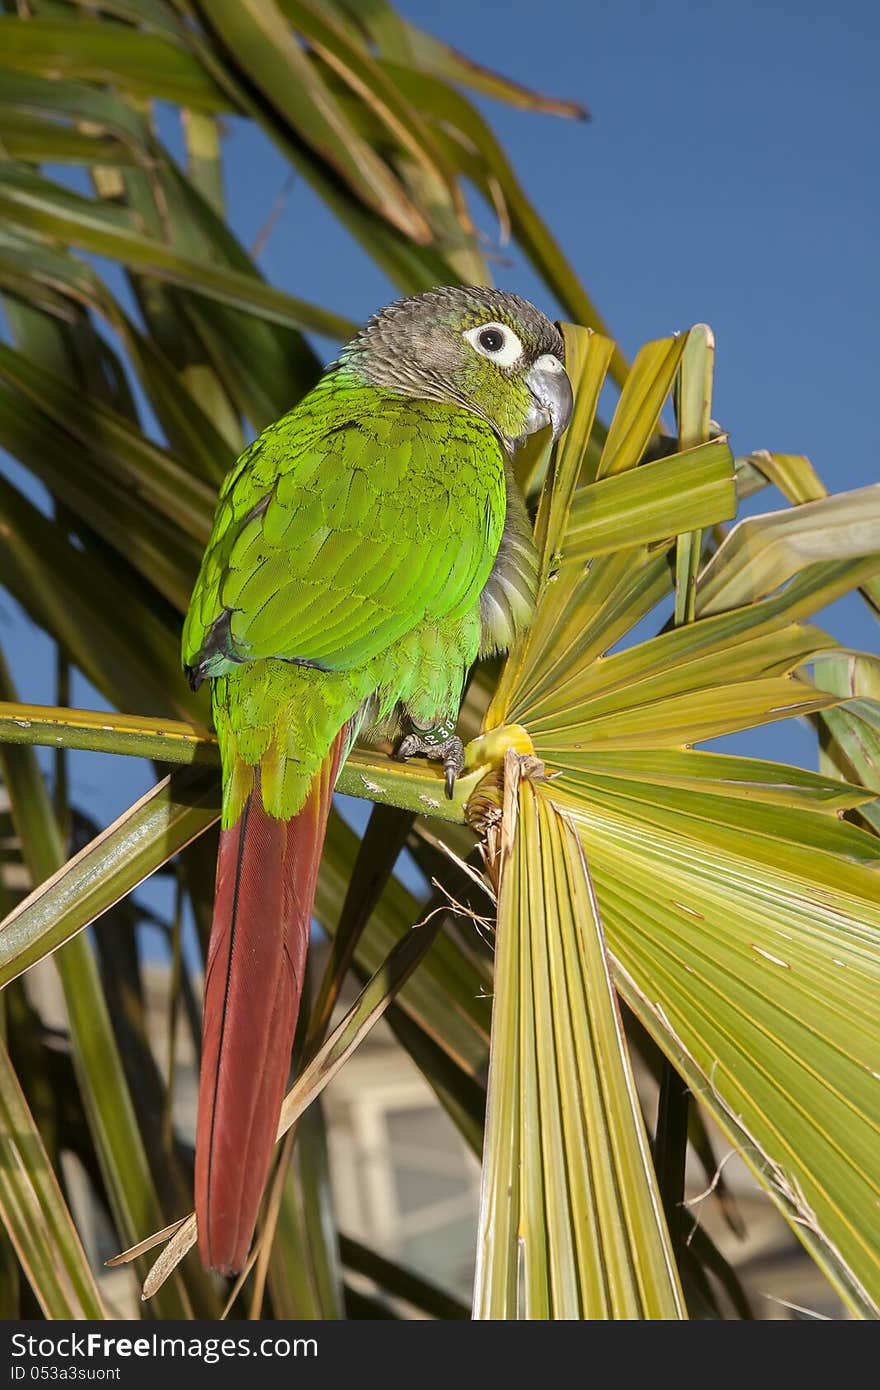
[(493, 353)]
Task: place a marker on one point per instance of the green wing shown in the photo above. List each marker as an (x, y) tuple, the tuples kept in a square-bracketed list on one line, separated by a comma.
[(353, 519)]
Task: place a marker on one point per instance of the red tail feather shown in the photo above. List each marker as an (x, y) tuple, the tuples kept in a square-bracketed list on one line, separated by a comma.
[(267, 870)]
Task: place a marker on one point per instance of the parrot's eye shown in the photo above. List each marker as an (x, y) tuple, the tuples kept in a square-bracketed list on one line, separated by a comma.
[(497, 342)]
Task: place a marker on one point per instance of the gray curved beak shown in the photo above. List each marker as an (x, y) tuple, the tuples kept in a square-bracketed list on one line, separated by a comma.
[(553, 398)]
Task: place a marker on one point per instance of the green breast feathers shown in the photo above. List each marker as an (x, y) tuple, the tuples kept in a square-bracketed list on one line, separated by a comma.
[(353, 519)]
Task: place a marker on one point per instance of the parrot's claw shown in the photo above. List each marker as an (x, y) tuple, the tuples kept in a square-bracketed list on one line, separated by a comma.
[(438, 745)]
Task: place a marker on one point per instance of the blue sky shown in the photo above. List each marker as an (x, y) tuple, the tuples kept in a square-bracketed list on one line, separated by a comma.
[(728, 175)]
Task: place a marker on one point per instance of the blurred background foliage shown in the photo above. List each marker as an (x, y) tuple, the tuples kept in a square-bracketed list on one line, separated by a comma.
[(639, 924)]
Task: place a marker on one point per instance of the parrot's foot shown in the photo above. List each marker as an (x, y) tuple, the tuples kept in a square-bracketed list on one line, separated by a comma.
[(439, 744)]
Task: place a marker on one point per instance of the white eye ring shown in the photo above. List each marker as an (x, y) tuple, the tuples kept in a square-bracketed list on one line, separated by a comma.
[(506, 354)]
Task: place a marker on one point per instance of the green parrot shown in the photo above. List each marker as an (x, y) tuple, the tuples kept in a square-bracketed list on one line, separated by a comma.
[(366, 549)]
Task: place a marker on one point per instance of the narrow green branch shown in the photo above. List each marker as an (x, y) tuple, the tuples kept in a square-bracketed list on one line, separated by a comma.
[(166, 740), (369, 775)]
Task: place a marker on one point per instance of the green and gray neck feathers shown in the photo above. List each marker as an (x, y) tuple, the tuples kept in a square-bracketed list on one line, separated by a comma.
[(416, 347)]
